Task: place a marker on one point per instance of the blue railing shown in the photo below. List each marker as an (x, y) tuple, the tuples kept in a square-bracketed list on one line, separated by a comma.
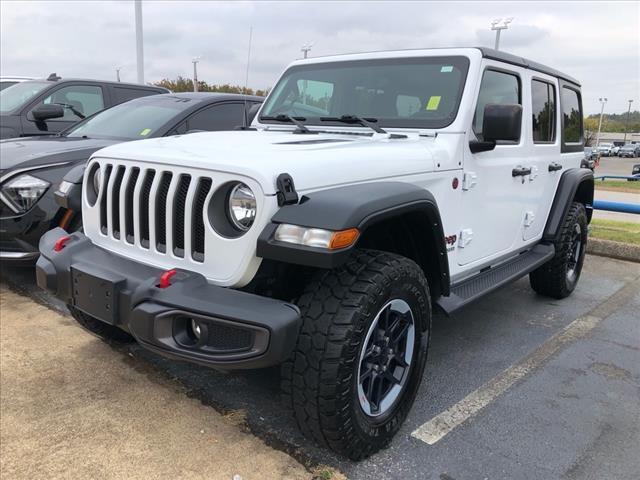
[(616, 206)]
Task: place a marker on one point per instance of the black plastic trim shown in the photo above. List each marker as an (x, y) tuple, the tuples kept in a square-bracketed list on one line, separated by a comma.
[(568, 186)]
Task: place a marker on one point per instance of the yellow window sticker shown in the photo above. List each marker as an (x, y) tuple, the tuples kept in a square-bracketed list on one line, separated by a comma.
[(147, 130), (433, 103)]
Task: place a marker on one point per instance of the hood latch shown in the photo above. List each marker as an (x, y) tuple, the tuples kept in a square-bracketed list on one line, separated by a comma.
[(286, 194)]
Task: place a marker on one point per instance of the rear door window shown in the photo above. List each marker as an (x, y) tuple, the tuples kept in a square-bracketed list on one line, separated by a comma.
[(124, 94), (543, 102), (571, 116)]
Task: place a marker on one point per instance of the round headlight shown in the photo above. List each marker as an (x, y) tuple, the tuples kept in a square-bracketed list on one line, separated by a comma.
[(97, 180), (242, 207)]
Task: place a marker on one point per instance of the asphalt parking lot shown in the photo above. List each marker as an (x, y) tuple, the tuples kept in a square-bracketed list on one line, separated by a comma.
[(517, 387)]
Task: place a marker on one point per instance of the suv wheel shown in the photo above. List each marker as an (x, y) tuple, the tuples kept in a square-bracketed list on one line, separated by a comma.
[(101, 329), (361, 352), (559, 276)]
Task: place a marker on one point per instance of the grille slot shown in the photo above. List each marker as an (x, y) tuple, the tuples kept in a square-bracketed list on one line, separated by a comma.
[(161, 212), (197, 220), (128, 204), (145, 194), (115, 202), (103, 200), (179, 203)]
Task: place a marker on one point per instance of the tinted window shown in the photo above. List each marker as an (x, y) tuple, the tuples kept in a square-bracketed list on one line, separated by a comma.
[(18, 95), (572, 122), (78, 101), (226, 116), (543, 101), (124, 94), (404, 92), (133, 120), (496, 87), (6, 84)]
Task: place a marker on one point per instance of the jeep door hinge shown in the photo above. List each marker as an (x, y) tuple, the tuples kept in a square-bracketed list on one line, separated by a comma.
[(466, 235), (286, 193), (469, 180)]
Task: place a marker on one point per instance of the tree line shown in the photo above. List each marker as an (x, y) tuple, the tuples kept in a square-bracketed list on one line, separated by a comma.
[(182, 84), (614, 122)]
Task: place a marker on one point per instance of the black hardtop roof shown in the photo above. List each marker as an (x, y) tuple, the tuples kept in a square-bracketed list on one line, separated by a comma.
[(523, 62)]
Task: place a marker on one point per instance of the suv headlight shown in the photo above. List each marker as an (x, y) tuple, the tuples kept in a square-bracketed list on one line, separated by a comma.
[(242, 207), (23, 192)]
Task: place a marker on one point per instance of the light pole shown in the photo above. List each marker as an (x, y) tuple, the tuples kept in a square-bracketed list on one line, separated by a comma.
[(195, 73), (602, 100), (498, 25), (306, 48), (139, 41), (246, 77), (118, 73), (626, 125)]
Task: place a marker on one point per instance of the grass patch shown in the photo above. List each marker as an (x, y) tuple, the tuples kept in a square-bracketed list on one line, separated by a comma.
[(625, 232), (617, 186)]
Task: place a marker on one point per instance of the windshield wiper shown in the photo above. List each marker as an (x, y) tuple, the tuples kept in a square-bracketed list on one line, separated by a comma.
[(297, 121), (354, 120)]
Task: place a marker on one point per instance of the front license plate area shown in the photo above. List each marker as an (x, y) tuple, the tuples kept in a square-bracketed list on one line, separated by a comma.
[(96, 293)]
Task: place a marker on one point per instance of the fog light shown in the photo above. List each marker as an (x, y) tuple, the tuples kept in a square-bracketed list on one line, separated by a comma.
[(195, 329)]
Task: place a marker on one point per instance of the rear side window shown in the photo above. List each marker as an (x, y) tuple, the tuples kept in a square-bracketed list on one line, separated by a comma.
[(496, 87), (226, 116), (124, 94), (543, 101), (571, 116)]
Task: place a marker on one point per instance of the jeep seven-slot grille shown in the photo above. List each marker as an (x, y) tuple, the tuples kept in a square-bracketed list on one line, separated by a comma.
[(167, 207)]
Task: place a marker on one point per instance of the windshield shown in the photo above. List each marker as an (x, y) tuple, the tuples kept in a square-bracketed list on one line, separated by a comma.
[(15, 96), (406, 92), (136, 119)]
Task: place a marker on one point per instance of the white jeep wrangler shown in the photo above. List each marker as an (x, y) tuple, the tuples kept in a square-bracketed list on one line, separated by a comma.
[(369, 190)]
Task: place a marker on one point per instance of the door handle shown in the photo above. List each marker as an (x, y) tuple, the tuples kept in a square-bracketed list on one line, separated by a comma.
[(521, 171), (553, 167)]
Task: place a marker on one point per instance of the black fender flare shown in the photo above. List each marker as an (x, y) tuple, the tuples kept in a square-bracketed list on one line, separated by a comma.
[(575, 183), (355, 206)]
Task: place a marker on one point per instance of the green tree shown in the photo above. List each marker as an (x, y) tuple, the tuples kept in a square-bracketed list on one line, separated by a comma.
[(182, 84)]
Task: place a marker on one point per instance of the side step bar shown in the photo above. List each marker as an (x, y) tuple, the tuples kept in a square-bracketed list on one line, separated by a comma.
[(486, 281)]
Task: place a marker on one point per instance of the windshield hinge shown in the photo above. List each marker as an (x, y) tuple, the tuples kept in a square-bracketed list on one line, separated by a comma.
[(286, 194)]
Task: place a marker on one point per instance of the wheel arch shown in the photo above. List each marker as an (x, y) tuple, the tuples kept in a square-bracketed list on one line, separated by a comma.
[(576, 185), (377, 210)]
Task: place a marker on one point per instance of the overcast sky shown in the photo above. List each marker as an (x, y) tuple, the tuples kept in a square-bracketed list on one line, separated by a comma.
[(596, 42)]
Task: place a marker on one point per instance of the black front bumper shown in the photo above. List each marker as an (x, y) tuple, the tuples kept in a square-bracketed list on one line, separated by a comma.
[(238, 329)]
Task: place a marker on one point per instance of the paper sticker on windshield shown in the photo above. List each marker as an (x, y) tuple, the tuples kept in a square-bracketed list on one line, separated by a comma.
[(446, 69), (433, 102), (145, 132)]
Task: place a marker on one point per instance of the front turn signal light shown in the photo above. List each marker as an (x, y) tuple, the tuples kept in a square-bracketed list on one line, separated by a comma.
[(316, 237)]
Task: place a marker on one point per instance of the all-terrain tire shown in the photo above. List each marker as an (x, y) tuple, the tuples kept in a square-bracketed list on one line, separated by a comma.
[(559, 276), (101, 329), (320, 381)]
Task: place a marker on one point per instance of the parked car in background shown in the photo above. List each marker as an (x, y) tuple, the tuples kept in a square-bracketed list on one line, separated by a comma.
[(605, 149), (43, 107), (591, 158), (635, 173), (32, 168), (631, 150), (8, 81), (615, 149)]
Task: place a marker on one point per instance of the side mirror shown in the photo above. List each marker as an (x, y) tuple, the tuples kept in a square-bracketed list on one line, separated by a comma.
[(252, 112), (47, 111), (500, 122)]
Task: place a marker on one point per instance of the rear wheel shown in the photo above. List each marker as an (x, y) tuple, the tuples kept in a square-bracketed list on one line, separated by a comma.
[(100, 328), (559, 276), (361, 352)]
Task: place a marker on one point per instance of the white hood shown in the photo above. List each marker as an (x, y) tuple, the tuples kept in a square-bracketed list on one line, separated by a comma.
[(313, 160)]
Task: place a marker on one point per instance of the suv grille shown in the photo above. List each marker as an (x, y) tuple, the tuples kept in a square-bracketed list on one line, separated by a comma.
[(155, 208)]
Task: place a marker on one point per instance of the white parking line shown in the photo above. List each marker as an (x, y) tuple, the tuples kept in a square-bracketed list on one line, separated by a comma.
[(439, 426)]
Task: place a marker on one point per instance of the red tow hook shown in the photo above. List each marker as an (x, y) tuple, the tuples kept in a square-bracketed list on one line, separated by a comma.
[(165, 278), (61, 242)]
